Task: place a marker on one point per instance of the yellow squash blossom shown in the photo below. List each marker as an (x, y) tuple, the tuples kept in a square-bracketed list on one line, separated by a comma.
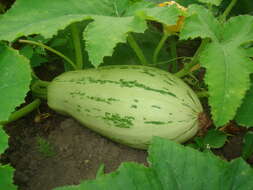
[(177, 27)]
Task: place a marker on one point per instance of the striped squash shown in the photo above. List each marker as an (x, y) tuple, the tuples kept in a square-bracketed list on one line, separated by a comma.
[(128, 104)]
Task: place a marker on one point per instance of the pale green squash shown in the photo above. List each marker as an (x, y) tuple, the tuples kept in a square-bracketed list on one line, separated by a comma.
[(128, 104)]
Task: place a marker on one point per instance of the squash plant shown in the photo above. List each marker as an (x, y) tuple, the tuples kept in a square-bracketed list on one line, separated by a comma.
[(225, 49)]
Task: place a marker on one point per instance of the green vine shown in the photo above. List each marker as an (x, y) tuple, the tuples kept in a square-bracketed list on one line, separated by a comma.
[(228, 10), (159, 47), (138, 51), (52, 50), (77, 45), (22, 112)]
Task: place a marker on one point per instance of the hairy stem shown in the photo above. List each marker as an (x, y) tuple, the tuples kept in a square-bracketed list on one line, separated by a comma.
[(188, 68), (22, 112), (228, 10), (137, 49), (159, 47), (77, 45), (50, 49)]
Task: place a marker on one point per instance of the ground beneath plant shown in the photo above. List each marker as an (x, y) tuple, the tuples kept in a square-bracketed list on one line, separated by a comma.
[(73, 153), (70, 153)]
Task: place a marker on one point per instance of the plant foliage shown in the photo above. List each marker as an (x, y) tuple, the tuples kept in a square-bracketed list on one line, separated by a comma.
[(15, 79), (6, 176), (223, 58)]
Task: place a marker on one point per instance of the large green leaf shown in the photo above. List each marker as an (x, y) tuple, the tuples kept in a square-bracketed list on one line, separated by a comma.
[(244, 113), (227, 78), (227, 63), (174, 167), (200, 23), (167, 15), (103, 34), (47, 17), (3, 140), (15, 77), (6, 176)]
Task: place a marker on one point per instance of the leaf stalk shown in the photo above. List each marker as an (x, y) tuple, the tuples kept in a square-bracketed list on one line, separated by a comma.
[(22, 112), (51, 50), (228, 10), (77, 45), (159, 47), (138, 51)]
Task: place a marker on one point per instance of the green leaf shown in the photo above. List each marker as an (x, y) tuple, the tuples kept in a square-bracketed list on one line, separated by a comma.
[(225, 86), (6, 176), (236, 175), (37, 60), (173, 166), (105, 33), (120, 6), (200, 23), (175, 173), (211, 2), (136, 7), (3, 140), (247, 149), (215, 139), (27, 51), (46, 17), (227, 63), (15, 77), (244, 113), (166, 15)]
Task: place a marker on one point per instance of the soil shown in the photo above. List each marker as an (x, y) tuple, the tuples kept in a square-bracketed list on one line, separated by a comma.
[(74, 153)]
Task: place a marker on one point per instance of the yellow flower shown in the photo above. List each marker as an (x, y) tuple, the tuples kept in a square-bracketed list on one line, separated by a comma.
[(177, 27)]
